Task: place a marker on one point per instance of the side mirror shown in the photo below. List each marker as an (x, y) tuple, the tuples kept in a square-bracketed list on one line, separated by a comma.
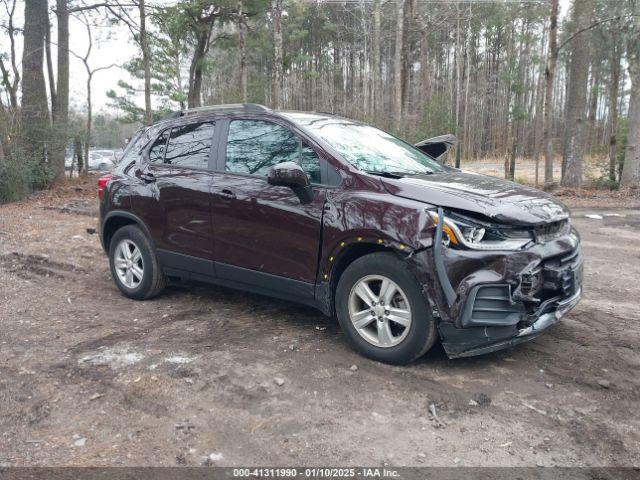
[(290, 174)]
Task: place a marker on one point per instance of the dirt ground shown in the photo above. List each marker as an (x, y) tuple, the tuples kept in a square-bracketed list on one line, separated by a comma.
[(88, 377)]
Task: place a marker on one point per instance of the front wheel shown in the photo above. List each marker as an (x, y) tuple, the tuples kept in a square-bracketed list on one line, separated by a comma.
[(382, 310), (134, 266)]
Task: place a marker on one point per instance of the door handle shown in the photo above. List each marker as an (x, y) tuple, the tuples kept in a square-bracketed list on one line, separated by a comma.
[(227, 194)]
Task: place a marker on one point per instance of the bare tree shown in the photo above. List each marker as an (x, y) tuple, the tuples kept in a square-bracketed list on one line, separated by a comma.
[(549, 73), (243, 53), (614, 88), (60, 102), (11, 84), (276, 18), (90, 73), (144, 46), (397, 66)]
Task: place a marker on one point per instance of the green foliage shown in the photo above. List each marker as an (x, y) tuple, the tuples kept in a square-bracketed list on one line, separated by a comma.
[(20, 175), (602, 180), (518, 112), (169, 48), (437, 119)]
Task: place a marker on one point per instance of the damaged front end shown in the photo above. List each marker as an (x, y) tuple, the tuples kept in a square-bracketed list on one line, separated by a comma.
[(495, 289)]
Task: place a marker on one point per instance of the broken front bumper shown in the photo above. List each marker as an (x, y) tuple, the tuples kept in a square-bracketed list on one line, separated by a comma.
[(468, 342), (499, 299)]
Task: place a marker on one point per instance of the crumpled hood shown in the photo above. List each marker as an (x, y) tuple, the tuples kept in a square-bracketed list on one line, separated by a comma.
[(504, 201)]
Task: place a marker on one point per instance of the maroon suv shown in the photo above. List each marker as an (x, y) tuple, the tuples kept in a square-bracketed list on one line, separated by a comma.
[(337, 214)]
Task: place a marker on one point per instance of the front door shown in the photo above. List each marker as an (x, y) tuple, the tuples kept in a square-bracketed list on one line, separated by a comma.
[(264, 235)]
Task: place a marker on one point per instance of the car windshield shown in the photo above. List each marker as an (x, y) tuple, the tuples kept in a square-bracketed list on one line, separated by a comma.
[(367, 148)]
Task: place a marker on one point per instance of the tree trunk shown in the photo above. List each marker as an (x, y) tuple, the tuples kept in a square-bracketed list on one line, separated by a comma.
[(458, 62), (11, 85), (276, 13), (375, 81), (613, 106), (87, 141), (577, 97), (631, 170), (364, 68), (146, 62), (194, 96), (61, 112), (397, 67), (592, 135), (78, 152), (243, 54), (4, 132), (52, 83), (35, 109), (552, 59), (424, 67), (538, 121)]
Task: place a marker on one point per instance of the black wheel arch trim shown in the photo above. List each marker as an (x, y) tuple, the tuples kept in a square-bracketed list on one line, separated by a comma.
[(130, 216)]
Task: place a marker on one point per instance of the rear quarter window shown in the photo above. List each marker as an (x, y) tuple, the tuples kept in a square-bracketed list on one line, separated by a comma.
[(190, 145)]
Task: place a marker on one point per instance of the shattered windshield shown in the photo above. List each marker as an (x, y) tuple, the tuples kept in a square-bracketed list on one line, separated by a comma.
[(367, 148)]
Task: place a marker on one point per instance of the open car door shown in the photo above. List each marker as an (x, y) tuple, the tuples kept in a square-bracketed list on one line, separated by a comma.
[(438, 147)]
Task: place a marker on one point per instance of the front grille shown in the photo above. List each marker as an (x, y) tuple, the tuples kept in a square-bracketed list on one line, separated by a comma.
[(554, 279), (550, 231), (562, 275)]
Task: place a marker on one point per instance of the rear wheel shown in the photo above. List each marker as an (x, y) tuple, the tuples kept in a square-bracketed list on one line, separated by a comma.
[(134, 266), (382, 310)]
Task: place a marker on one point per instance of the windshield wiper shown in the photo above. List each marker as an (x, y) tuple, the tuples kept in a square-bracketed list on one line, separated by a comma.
[(384, 174), (396, 174)]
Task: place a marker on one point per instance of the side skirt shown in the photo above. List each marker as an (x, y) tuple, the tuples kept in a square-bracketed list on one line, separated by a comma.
[(203, 270)]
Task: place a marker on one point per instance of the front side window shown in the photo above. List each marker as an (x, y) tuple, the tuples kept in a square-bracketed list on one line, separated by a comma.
[(190, 145), (310, 163), (254, 146)]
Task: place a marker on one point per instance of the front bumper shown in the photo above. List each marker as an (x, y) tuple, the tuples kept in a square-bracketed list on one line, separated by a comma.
[(469, 342), (500, 299)]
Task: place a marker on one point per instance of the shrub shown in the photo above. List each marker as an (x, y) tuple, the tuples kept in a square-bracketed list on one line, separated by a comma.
[(21, 175)]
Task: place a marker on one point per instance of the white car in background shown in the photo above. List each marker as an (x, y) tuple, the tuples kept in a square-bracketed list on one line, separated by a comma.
[(101, 160)]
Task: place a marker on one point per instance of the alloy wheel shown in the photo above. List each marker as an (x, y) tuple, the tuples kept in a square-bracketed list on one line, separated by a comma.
[(380, 311), (129, 264)]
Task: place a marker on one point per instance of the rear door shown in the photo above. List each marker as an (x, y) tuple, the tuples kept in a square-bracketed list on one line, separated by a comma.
[(264, 235), (178, 172)]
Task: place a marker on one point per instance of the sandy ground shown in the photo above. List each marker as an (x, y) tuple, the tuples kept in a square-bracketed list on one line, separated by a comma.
[(88, 377)]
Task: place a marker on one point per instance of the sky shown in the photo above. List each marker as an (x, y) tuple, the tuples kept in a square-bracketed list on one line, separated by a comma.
[(111, 45)]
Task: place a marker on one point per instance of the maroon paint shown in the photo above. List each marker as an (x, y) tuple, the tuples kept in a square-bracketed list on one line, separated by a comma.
[(264, 227), (243, 221)]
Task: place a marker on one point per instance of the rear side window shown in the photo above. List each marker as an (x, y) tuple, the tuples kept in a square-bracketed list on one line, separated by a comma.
[(254, 146), (156, 152), (190, 145)]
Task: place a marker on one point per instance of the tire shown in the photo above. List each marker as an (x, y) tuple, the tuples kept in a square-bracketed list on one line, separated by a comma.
[(398, 344), (152, 279)]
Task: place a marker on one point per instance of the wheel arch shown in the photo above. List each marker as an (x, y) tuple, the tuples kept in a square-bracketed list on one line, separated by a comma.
[(117, 219), (339, 262)]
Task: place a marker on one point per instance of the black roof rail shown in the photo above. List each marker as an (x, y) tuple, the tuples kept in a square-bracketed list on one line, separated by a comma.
[(244, 107)]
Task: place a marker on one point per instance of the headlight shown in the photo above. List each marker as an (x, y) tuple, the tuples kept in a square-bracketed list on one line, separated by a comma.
[(465, 233)]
